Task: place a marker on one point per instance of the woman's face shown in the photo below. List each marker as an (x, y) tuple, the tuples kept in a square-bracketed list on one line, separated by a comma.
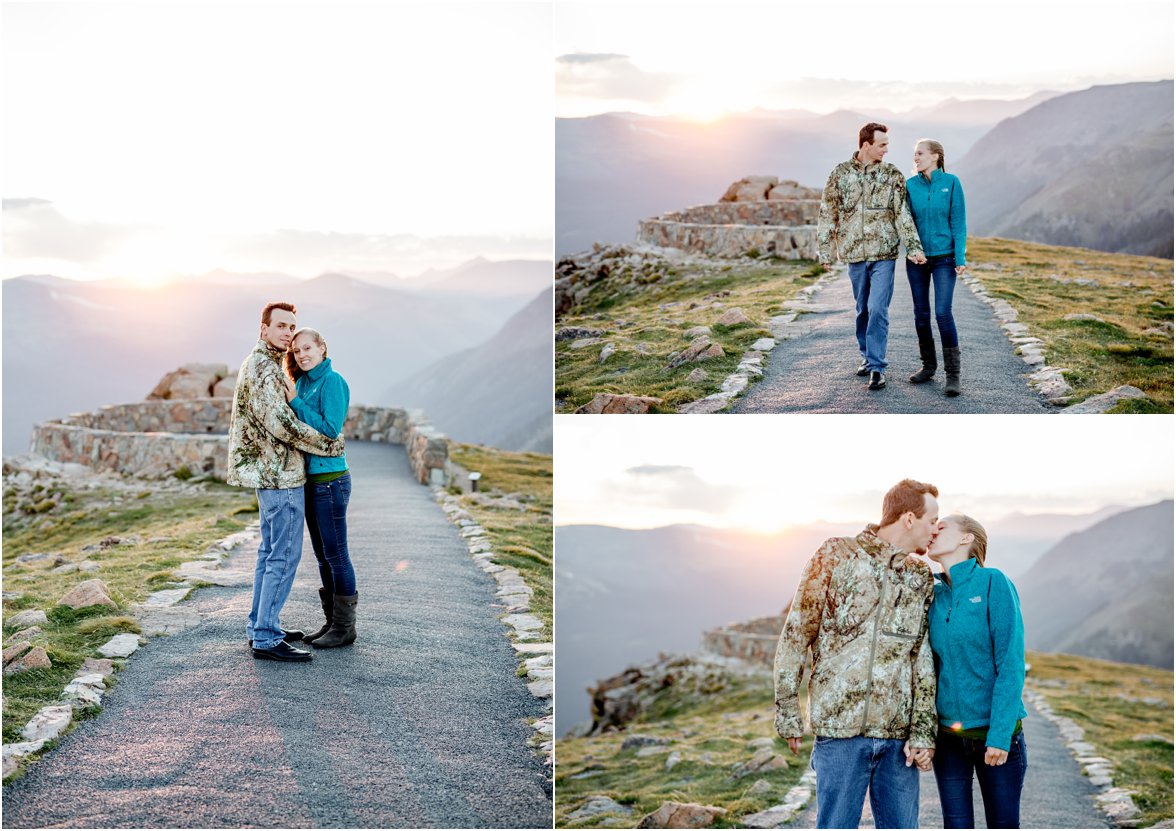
[(307, 352), (950, 538), (925, 160)]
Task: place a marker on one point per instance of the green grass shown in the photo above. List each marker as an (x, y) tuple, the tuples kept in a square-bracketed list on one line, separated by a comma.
[(1131, 295), (1088, 691), (645, 333), (711, 733), (522, 539), (165, 529)]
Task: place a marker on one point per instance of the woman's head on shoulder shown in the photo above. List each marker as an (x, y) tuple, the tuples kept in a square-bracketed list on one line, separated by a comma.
[(960, 537), (308, 349), (928, 157)]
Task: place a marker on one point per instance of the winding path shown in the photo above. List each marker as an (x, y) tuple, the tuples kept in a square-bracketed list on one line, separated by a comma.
[(814, 372), (1056, 795), (421, 723)]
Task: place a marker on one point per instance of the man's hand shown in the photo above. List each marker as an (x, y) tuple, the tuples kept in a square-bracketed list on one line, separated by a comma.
[(827, 267), (994, 756), (794, 744), (920, 757), (291, 390)]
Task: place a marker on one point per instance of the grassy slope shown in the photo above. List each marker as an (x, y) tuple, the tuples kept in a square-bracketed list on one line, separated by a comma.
[(522, 539), (1132, 294), (645, 333), (169, 528), (1087, 691), (712, 734)]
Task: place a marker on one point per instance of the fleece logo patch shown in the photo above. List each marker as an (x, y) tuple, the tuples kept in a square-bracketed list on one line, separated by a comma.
[(976, 599), (945, 190)]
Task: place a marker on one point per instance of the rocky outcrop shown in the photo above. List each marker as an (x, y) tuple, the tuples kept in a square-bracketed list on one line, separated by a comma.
[(682, 815), (618, 700), (767, 188), (753, 641), (195, 381), (610, 403)]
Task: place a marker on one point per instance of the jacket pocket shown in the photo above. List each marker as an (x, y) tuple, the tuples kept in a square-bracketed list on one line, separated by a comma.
[(905, 618)]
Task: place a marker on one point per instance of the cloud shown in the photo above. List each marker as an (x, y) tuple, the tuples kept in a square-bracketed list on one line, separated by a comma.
[(611, 77), (672, 487), (34, 228)]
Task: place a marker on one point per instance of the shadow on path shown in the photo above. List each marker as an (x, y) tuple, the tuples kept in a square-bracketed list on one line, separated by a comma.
[(814, 373), (420, 723)]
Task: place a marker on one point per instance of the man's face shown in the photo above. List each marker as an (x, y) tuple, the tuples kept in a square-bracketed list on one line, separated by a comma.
[(926, 527), (873, 153), (280, 330)]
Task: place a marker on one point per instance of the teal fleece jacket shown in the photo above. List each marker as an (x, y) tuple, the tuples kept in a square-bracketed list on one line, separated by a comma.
[(978, 641), (322, 400), (938, 209)]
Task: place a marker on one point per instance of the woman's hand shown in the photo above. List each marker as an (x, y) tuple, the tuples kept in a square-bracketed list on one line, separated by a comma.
[(995, 756), (291, 391), (960, 269)]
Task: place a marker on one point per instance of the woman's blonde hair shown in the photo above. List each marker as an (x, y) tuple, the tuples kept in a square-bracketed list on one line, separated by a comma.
[(292, 369), (934, 147), (979, 547)]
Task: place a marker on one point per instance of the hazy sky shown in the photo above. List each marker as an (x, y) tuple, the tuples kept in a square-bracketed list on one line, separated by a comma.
[(181, 136), (767, 472), (706, 59)]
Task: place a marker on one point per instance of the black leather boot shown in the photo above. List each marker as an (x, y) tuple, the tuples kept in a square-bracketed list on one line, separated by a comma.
[(342, 630), (328, 611), (951, 365), (927, 354)]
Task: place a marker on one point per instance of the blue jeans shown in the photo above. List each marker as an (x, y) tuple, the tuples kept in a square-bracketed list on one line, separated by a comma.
[(1000, 786), (326, 519), (846, 768), (277, 562), (941, 271), (873, 286)]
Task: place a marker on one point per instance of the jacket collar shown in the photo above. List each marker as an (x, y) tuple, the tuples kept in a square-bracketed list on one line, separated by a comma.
[(960, 573), (879, 549), (320, 370), (936, 175), (264, 347)]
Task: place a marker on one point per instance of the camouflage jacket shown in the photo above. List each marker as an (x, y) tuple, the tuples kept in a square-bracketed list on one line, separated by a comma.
[(864, 213), (266, 439), (861, 607)]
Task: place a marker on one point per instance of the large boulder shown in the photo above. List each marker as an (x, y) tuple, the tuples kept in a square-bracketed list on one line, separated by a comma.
[(609, 403), (749, 189), (682, 815), (188, 382), (89, 593)]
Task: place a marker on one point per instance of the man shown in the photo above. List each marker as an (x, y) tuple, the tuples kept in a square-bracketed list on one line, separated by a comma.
[(864, 213), (861, 607), (266, 443)]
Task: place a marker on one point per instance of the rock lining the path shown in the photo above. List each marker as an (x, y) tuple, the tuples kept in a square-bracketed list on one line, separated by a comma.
[(526, 629), (1115, 803)]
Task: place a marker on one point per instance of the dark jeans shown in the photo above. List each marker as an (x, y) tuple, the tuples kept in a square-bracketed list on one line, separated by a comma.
[(1000, 786), (326, 519), (941, 271)]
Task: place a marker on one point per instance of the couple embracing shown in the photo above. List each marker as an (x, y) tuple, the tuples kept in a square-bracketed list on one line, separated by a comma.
[(866, 209), (910, 671), (285, 440)]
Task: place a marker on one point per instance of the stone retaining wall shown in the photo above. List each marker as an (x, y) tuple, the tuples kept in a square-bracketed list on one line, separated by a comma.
[(784, 228), (158, 438), (753, 641)]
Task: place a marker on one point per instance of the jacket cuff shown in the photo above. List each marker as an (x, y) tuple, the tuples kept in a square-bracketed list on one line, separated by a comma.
[(788, 725)]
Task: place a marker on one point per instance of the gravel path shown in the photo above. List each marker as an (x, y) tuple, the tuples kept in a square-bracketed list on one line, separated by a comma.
[(421, 723), (814, 373), (1056, 795)]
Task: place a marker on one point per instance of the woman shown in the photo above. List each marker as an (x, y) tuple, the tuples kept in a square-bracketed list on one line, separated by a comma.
[(319, 396), (937, 205), (979, 645)]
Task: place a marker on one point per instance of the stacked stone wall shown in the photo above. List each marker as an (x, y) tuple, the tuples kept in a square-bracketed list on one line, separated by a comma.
[(158, 438), (784, 228), (753, 641)]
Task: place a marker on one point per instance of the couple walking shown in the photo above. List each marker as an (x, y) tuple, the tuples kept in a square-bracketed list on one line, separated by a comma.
[(909, 671), (866, 209), (285, 440)]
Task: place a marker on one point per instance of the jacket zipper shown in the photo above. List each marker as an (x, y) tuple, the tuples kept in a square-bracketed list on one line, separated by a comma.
[(874, 645)]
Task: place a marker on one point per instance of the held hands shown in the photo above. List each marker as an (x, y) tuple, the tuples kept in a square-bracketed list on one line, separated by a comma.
[(994, 756), (919, 259), (920, 757)]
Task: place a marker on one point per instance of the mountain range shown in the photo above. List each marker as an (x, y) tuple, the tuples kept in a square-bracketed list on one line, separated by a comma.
[(71, 346), (625, 596), (497, 393), (1091, 168), (1106, 592)]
